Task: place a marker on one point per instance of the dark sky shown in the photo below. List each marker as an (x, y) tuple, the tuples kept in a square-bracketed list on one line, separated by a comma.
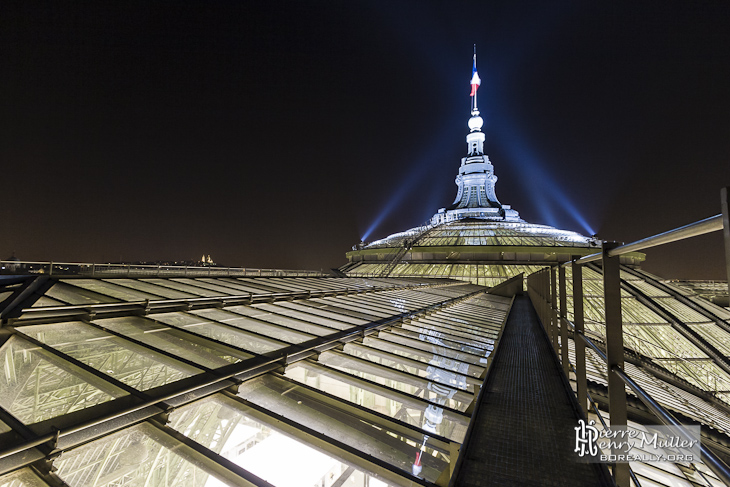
[(274, 134)]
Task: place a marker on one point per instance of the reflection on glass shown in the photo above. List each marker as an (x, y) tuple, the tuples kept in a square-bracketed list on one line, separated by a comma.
[(432, 371), (137, 456), (37, 385), (381, 399), (448, 363), (226, 427), (395, 379), (392, 443)]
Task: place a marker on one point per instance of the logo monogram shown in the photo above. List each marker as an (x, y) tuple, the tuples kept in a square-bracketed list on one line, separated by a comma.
[(586, 436)]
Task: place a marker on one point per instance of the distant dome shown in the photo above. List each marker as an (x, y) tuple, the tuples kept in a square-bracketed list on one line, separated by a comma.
[(475, 123)]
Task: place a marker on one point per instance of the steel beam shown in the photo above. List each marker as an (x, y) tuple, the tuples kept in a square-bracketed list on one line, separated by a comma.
[(580, 347), (562, 322), (725, 201), (554, 309), (615, 354)]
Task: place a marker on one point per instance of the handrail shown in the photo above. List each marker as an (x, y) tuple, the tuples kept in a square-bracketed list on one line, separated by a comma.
[(708, 225), (542, 285), (597, 412), (708, 456), (17, 267)]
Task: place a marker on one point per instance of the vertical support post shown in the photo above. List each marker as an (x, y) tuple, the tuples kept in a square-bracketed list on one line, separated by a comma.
[(545, 280), (615, 354), (540, 293), (580, 346), (554, 309), (562, 320), (725, 201)]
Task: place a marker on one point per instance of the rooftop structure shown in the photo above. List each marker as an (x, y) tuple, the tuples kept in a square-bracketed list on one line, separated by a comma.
[(478, 239), (205, 376)]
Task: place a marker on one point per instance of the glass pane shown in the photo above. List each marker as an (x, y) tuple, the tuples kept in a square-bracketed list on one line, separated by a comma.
[(395, 379), (433, 372), (394, 444), (188, 345), (291, 323), (434, 345), (310, 310), (431, 358), (179, 286), (37, 385), (217, 331), (217, 288), (281, 310), (164, 292), (138, 456), (265, 329), (75, 295), (127, 362), (416, 412), (439, 339), (253, 443), (108, 289), (21, 478)]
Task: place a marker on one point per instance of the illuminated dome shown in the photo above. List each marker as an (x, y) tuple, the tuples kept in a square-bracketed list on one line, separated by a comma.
[(477, 239), (481, 233), (484, 252)]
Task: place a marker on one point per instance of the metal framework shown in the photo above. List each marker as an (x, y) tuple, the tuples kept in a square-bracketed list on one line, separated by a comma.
[(364, 381), (673, 309)]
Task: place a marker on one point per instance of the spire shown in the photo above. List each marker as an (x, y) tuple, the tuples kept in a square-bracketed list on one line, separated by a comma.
[(476, 197)]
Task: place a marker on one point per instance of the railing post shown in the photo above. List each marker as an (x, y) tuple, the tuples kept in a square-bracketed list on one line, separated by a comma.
[(615, 354), (563, 322), (724, 196), (545, 279), (543, 287), (580, 346), (554, 309)]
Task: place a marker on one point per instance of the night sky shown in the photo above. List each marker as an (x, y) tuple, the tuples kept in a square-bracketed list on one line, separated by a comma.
[(277, 134)]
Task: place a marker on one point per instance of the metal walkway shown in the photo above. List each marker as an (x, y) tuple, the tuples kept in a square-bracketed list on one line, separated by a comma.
[(523, 433)]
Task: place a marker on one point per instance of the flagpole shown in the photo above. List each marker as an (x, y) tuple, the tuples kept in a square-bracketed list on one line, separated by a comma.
[(473, 109)]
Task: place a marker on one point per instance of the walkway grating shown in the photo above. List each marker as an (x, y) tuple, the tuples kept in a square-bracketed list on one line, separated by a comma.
[(523, 433)]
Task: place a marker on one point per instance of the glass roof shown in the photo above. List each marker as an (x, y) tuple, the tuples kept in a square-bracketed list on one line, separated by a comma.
[(350, 387), (387, 386)]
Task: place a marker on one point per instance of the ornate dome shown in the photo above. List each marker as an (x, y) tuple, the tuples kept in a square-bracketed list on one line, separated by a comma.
[(475, 232)]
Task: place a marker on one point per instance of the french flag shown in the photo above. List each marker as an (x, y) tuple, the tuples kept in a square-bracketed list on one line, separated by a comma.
[(475, 80)]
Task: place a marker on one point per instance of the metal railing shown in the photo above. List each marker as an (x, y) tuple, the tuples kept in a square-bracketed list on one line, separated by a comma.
[(67, 269), (548, 286)]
